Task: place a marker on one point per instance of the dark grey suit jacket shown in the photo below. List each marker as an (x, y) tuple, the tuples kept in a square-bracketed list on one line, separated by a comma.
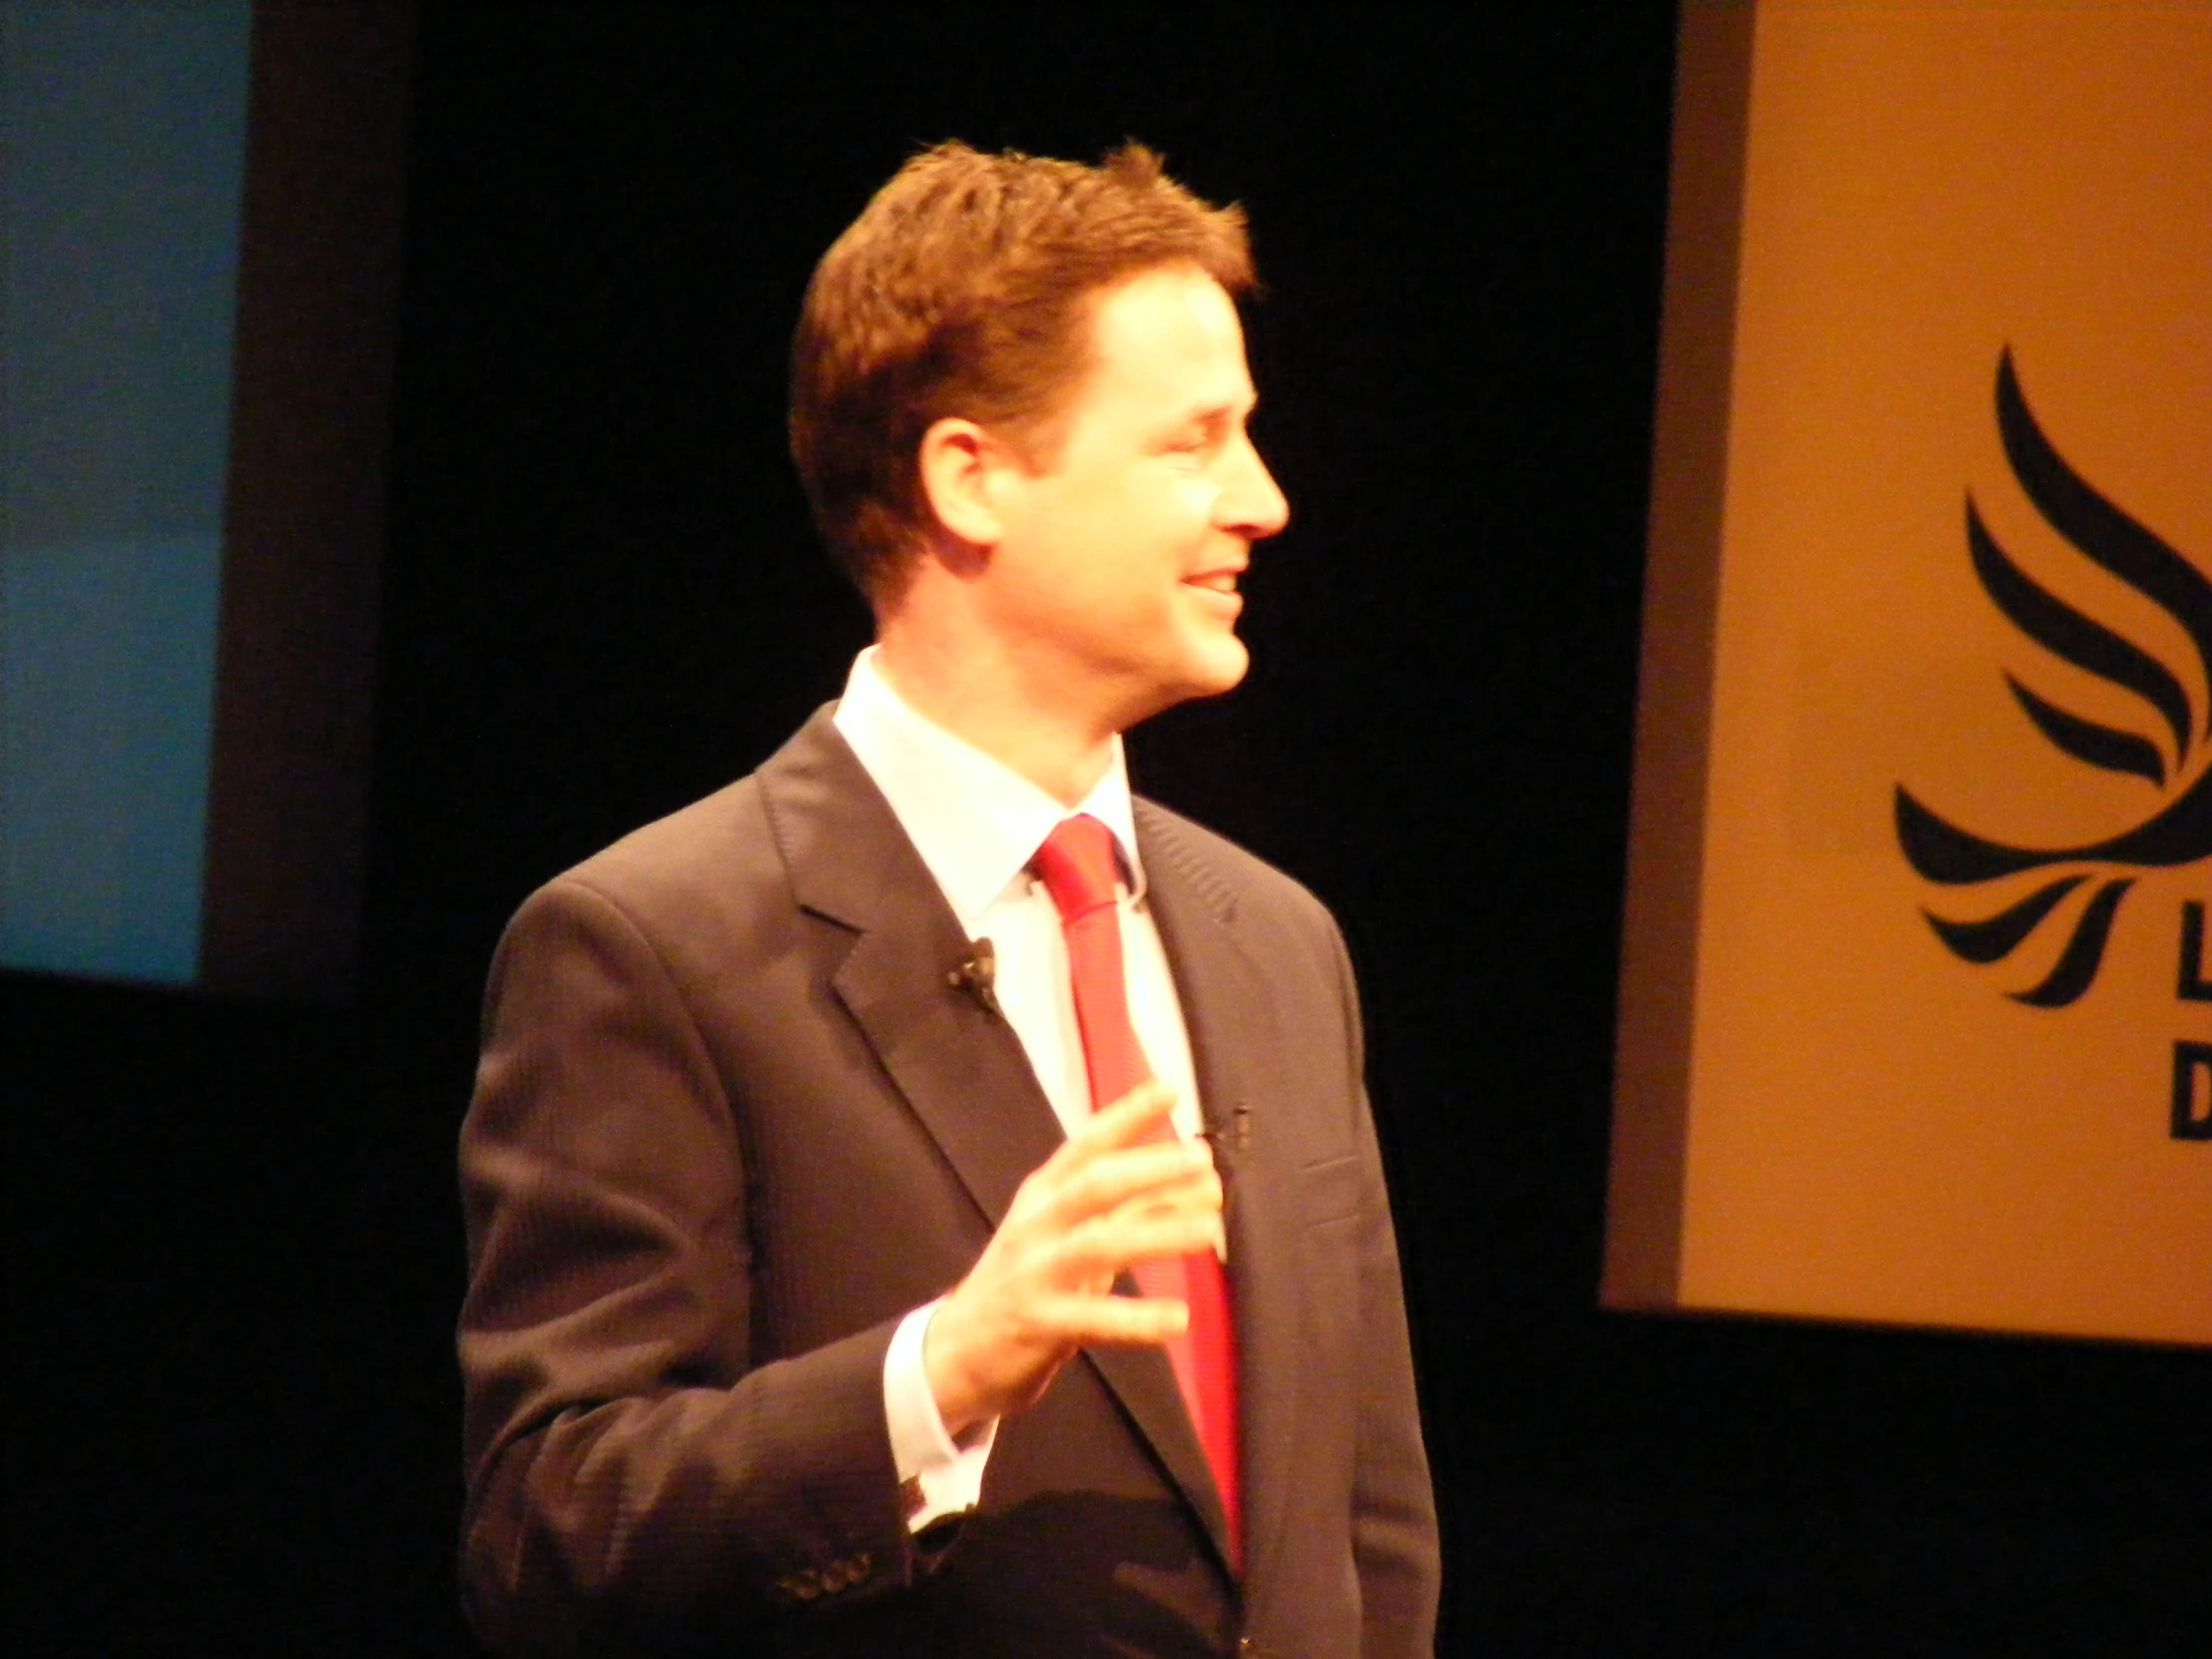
[(732, 1123)]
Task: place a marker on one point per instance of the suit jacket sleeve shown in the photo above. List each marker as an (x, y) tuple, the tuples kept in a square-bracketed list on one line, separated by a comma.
[(635, 1471), (1394, 1514)]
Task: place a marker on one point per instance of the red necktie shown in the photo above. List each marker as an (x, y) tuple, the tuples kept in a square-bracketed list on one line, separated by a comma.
[(1077, 864)]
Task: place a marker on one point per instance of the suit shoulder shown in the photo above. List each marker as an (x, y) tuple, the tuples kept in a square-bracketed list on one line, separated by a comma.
[(709, 854), (1230, 873)]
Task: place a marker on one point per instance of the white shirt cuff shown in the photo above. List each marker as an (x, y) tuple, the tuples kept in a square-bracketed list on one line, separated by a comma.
[(937, 1475)]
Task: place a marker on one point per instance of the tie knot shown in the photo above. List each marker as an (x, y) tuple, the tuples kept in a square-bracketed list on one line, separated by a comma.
[(1077, 864)]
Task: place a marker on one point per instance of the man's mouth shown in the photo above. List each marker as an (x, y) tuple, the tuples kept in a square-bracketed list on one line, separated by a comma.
[(1218, 581)]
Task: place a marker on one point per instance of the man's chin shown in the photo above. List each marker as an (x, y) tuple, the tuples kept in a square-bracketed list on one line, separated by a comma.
[(1233, 662), (1199, 675), (1218, 665)]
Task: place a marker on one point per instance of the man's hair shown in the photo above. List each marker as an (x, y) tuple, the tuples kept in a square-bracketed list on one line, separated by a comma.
[(966, 287)]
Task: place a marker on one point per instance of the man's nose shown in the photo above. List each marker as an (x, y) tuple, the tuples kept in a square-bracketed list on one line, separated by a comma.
[(1251, 505)]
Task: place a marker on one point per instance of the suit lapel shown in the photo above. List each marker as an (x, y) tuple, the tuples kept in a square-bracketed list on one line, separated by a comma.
[(962, 1070), (1230, 1016), (960, 1067)]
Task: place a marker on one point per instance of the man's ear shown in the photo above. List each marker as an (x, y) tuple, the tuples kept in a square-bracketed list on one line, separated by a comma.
[(961, 468)]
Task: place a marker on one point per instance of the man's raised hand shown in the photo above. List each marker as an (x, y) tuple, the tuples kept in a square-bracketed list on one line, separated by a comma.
[(1044, 1285)]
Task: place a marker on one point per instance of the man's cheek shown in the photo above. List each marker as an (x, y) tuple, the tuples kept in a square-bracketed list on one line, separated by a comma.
[(1196, 498)]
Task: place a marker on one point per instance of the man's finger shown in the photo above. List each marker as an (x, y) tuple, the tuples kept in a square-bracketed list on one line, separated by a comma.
[(1108, 1244), (1127, 1121), (1203, 1200), (1167, 1173), (1117, 1319)]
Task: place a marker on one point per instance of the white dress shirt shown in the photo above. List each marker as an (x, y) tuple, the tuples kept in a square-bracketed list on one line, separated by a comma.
[(977, 823)]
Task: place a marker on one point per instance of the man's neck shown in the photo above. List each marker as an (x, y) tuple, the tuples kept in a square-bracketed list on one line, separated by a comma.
[(985, 700)]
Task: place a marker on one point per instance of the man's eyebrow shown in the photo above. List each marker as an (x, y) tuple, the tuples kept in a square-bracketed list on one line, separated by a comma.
[(1221, 414)]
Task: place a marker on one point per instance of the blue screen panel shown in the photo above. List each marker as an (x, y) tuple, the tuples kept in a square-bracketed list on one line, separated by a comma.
[(123, 169)]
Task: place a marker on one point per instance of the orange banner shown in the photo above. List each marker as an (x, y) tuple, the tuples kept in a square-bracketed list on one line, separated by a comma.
[(1918, 1001)]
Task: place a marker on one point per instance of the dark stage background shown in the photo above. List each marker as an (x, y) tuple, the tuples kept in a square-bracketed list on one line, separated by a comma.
[(236, 1256)]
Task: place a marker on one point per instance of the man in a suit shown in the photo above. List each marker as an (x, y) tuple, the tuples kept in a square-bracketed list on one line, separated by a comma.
[(922, 1199)]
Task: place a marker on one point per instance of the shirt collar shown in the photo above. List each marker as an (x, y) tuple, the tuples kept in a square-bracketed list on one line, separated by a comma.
[(975, 821)]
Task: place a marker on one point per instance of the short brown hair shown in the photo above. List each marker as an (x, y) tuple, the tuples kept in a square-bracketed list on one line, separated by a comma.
[(965, 288)]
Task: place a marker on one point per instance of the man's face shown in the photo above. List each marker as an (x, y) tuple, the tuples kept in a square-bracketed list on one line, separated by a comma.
[(1117, 573)]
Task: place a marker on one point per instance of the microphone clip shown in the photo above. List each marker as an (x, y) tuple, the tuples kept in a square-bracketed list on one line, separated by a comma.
[(977, 975)]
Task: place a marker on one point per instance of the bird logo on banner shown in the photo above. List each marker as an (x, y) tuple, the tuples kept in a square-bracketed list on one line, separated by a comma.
[(2172, 752)]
